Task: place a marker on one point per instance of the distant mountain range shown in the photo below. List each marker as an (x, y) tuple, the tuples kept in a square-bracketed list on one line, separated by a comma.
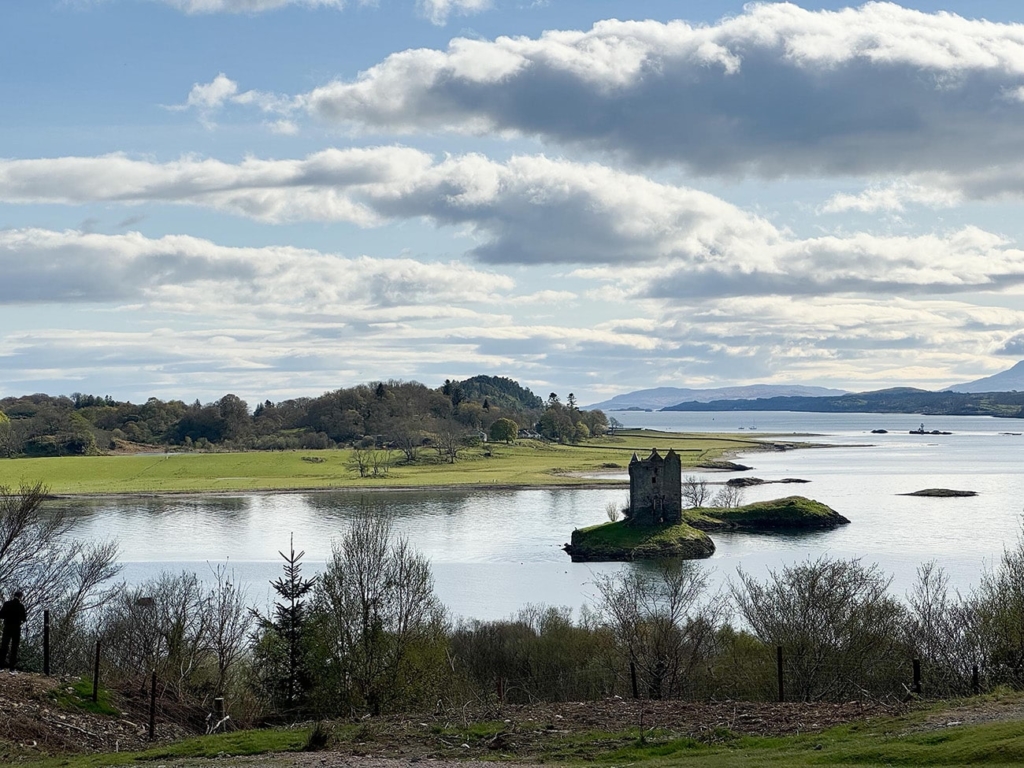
[(1011, 380), (661, 397), (999, 395)]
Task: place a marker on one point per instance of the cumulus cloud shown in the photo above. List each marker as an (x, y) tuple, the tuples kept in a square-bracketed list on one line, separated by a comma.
[(775, 90), (209, 98), (528, 210), (643, 238), (969, 259), (213, 94), (190, 274)]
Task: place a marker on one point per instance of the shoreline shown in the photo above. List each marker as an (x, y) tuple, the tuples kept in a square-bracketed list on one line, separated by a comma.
[(584, 483), (447, 487)]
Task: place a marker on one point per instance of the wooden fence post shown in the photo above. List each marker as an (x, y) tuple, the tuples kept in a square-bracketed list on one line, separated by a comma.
[(96, 675), (782, 676), (46, 643), (152, 706)]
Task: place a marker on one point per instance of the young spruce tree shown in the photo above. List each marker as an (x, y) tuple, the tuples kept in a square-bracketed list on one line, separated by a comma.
[(280, 651)]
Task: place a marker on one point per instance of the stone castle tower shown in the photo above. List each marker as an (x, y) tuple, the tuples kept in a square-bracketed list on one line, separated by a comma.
[(655, 489)]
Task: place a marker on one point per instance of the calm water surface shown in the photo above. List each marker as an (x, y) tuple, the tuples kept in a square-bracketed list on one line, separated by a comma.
[(494, 552)]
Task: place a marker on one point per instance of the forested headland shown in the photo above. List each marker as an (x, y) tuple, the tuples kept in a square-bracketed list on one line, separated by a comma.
[(403, 415)]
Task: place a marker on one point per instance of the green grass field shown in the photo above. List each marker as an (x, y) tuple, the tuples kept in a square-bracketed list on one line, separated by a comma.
[(529, 463)]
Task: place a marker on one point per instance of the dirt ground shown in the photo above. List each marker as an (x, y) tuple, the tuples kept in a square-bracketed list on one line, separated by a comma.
[(34, 725)]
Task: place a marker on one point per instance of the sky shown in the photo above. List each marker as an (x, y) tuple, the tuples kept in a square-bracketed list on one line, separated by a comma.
[(277, 198)]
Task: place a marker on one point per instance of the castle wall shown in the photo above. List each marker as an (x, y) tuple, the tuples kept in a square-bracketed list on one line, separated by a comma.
[(655, 489)]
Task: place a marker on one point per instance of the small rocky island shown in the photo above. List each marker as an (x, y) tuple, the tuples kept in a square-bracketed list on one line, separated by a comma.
[(942, 493), (656, 525)]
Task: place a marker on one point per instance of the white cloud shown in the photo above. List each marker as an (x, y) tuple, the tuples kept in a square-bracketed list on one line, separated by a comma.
[(658, 240), (283, 127), (188, 274), (210, 98), (438, 11), (260, 321), (775, 90), (863, 342), (893, 197), (213, 94), (527, 210), (547, 297)]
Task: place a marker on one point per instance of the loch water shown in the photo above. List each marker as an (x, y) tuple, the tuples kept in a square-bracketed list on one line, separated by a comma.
[(494, 552)]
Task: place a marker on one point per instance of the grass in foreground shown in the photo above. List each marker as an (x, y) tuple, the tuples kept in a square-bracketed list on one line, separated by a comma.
[(239, 743), (79, 696), (528, 463), (851, 745), (899, 742)]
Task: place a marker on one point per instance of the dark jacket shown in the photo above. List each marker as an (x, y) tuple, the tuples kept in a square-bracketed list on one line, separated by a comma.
[(13, 614)]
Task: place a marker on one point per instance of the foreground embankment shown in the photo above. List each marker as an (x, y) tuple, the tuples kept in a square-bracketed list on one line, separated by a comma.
[(985, 730)]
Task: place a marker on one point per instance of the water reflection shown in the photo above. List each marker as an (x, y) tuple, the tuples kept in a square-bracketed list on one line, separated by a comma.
[(496, 551)]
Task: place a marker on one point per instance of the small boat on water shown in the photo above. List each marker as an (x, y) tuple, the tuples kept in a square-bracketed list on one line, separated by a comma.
[(922, 431)]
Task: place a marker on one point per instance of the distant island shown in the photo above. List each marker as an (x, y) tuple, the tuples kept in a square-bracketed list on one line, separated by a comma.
[(896, 400), (689, 539)]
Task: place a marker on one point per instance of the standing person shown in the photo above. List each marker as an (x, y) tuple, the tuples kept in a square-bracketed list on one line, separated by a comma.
[(13, 615)]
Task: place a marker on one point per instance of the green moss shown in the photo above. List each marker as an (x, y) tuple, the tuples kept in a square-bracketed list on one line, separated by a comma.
[(790, 512), (622, 541)]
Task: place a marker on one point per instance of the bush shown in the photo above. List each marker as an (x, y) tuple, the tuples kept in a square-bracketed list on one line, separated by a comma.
[(839, 629)]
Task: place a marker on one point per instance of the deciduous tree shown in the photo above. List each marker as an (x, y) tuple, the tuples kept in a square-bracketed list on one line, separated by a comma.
[(504, 431), (376, 614)]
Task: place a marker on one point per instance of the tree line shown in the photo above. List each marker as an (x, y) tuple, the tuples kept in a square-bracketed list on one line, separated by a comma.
[(403, 415), (367, 634)]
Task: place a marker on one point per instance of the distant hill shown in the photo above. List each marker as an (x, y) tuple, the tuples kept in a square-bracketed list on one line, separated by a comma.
[(896, 400), (1007, 381), (656, 399), (500, 391)]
